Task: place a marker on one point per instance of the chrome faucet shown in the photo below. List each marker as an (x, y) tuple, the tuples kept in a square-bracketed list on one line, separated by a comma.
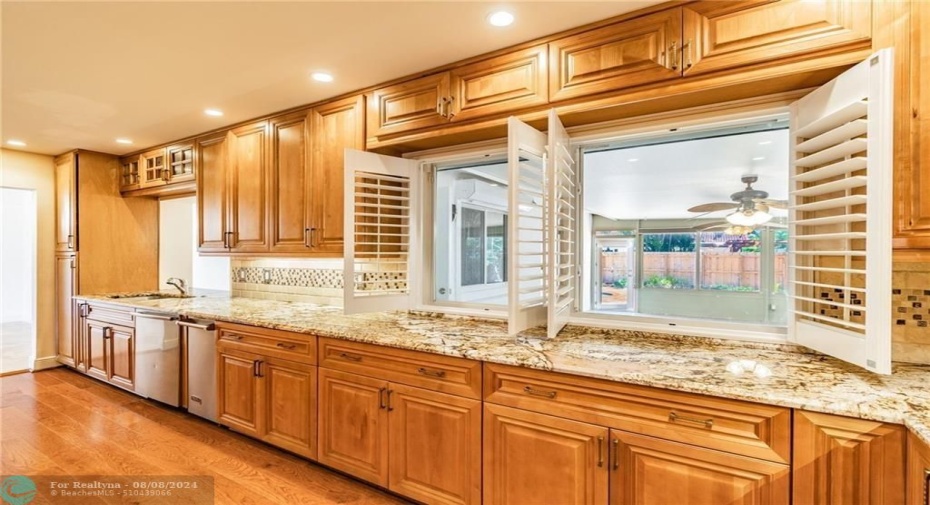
[(178, 283)]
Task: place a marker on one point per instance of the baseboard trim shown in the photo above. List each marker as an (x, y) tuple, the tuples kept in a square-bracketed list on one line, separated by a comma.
[(45, 363)]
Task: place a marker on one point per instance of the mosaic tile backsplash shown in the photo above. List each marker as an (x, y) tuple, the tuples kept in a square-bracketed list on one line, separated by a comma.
[(910, 312)]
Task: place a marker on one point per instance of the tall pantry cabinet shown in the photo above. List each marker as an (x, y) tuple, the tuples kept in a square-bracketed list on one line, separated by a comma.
[(104, 243)]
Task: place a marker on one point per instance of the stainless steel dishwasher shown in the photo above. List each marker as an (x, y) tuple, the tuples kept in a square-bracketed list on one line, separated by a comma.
[(158, 357), (201, 367)]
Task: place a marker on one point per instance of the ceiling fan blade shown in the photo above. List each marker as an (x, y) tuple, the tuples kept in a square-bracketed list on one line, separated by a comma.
[(775, 204), (713, 207), (710, 226), (762, 207)]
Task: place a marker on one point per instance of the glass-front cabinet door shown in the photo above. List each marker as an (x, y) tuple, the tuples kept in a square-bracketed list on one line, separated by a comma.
[(129, 173), (153, 168), (180, 163)]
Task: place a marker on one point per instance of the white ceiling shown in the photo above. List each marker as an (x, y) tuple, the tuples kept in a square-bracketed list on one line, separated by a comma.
[(668, 179), (81, 74)]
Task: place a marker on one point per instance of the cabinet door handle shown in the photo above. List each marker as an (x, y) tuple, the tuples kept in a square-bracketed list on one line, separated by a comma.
[(226, 240), (449, 113), (165, 174), (689, 61), (255, 368), (289, 347), (311, 236), (616, 448), (440, 105), (674, 417), (673, 53), (70, 241), (107, 332), (307, 237), (431, 373), (600, 451), (73, 264), (538, 392), (350, 357), (381, 404), (389, 406)]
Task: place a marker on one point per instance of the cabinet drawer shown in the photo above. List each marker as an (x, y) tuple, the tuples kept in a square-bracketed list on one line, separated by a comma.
[(445, 374), (112, 315), (749, 429), (267, 342)]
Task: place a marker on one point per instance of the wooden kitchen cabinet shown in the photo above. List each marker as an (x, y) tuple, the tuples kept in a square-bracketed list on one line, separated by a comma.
[(129, 176), (154, 168), (532, 458), (248, 183), (651, 471), (727, 35), (180, 163), (211, 155), (918, 471), (290, 186), (494, 86), (110, 353), (65, 288), (66, 203), (353, 425), (845, 460), (630, 53), (266, 397), (95, 333)]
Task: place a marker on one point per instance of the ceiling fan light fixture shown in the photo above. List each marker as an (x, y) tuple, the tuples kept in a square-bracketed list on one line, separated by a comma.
[(749, 217), (738, 230)]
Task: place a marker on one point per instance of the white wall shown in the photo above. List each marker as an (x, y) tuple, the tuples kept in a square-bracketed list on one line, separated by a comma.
[(36, 171), (17, 255), (177, 248)]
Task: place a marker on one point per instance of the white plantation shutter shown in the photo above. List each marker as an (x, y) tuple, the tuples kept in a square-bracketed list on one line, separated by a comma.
[(840, 216), (526, 262), (561, 209), (379, 231)]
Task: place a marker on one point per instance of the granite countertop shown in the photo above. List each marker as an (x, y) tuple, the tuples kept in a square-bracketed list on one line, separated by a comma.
[(784, 375)]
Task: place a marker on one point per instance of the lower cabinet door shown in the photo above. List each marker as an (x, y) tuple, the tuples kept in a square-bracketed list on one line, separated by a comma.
[(237, 399), (354, 425), (537, 459), (435, 446), (652, 471), (289, 398), (121, 357), (96, 335), (844, 460), (918, 471)]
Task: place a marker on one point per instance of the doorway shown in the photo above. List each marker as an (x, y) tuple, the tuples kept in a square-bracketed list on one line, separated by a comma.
[(17, 279), (616, 274)]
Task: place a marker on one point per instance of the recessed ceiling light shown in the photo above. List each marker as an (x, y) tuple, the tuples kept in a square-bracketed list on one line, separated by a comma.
[(123, 141), (501, 18), (758, 158), (765, 142), (633, 160), (16, 143), (322, 77), (213, 112)]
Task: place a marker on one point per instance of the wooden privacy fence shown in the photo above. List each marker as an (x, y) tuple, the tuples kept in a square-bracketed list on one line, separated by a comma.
[(718, 268)]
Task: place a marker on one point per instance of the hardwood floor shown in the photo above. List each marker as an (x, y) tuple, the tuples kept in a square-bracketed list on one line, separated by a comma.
[(58, 422)]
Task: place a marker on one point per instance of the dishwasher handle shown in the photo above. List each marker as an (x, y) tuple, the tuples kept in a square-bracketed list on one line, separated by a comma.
[(161, 317), (188, 324)]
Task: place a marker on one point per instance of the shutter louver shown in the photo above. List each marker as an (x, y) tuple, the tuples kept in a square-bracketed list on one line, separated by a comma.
[(527, 231), (561, 223), (379, 231), (840, 216)]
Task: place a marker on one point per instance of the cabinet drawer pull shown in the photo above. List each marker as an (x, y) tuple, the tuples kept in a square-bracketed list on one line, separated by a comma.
[(70, 241), (289, 347), (232, 336), (537, 392), (616, 447), (432, 373), (381, 404), (350, 357), (674, 417), (600, 451)]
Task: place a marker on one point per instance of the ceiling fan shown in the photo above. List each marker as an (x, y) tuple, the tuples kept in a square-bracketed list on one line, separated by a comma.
[(750, 206)]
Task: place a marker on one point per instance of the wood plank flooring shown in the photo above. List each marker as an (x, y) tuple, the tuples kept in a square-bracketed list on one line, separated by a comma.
[(58, 422)]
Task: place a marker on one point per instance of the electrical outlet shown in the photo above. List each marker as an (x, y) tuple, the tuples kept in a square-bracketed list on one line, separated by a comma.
[(240, 274), (266, 275)]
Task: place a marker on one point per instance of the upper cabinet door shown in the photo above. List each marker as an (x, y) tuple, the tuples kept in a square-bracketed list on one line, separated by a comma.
[(66, 203), (129, 173), (212, 191), (639, 51), (721, 35), (410, 105), (290, 183), (180, 163), (248, 188), (335, 127), (506, 83), (153, 169)]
